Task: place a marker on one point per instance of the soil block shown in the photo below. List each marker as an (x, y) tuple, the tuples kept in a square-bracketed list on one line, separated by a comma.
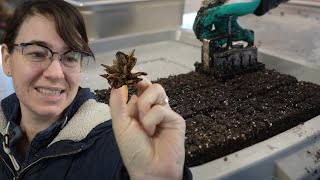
[(224, 117)]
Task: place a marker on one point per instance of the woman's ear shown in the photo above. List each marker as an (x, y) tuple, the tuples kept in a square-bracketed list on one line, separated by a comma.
[(6, 60)]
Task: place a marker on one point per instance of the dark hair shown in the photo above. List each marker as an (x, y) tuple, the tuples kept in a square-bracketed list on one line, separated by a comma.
[(68, 20), (6, 11)]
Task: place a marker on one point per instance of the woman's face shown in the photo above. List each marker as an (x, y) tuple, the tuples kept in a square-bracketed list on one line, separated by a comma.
[(42, 91)]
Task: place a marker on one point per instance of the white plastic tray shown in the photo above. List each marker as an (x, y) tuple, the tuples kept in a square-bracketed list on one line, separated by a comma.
[(174, 52)]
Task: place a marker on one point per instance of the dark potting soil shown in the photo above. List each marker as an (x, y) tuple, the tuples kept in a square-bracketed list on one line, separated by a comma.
[(224, 117)]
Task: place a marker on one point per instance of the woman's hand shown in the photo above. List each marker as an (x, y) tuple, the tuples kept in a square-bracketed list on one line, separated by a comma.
[(149, 134)]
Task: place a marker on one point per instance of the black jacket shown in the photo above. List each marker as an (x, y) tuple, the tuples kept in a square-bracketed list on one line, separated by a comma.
[(266, 5), (81, 145)]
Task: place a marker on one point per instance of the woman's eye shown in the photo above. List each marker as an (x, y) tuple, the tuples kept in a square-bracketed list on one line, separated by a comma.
[(37, 55), (69, 59)]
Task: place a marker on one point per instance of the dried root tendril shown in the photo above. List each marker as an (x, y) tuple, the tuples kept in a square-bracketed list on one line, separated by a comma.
[(119, 73)]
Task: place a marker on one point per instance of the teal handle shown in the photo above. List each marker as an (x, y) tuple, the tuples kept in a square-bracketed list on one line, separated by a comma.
[(215, 14), (235, 9)]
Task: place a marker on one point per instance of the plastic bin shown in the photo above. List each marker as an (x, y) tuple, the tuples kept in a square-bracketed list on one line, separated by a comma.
[(107, 18)]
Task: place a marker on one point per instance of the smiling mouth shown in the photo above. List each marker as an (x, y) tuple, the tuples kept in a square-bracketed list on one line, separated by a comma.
[(49, 92)]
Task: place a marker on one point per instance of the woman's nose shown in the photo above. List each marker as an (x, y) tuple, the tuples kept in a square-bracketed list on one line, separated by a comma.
[(54, 70)]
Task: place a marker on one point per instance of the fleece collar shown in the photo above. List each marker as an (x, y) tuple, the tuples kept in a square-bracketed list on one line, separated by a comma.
[(90, 114)]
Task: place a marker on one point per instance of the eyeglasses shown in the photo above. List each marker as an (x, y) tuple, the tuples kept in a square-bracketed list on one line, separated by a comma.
[(42, 56)]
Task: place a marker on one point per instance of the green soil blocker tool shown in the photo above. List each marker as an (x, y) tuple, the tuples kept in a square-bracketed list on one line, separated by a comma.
[(235, 57)]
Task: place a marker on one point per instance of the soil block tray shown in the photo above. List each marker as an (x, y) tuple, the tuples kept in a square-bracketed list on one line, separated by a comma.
[(249, 127)]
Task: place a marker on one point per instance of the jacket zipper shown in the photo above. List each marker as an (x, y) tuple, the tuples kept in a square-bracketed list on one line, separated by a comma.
[(5, 145), (7, 166), (6, 149), (14, 162), (46, 157), (15, 177), (16, 174)]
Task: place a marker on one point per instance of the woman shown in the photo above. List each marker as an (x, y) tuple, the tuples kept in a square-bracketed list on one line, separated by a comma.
[(53, 129)]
